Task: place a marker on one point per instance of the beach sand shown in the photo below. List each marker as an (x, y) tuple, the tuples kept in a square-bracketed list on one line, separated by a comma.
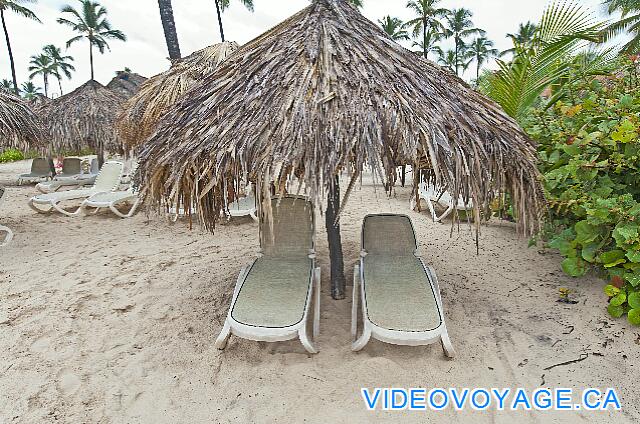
[(104, 320)]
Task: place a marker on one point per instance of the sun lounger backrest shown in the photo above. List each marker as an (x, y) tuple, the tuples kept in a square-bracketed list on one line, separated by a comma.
[(41, 166), (390, 235), (72, 166), (109, 177), (293, 228)]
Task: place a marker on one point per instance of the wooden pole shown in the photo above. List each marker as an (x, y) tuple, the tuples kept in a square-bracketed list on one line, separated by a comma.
[(338, 282)]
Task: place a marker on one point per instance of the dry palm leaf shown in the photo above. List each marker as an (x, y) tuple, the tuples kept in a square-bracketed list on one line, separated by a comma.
[(141, 114), (328, 91), (82, 119), (19, 126)]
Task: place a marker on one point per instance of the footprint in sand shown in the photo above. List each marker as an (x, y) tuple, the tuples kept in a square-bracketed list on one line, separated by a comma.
[(41, 344), (67, 382)]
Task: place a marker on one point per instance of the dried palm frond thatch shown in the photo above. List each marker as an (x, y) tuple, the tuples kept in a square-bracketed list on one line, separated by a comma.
[(126, 83), (19, 126), (159, 94), (328, 91), (83, 119)]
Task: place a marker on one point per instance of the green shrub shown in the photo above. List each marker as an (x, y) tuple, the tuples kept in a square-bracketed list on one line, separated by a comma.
[(11, 155), (589, 148)]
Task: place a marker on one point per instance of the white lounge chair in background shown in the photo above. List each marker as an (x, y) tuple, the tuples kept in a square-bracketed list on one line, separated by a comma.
[(72, 176), (273, 297), (244, 205), (110, 200), (400, 296), (432, 195), (41, 169), (107, 180), (8, 234)]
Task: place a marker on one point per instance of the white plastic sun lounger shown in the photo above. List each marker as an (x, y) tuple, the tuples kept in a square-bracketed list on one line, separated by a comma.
[(71, 176), (107, 180), (401, 302), (8, 234), (273, 295), (41, 169), (111, 200), (245, 205), (431, 195)]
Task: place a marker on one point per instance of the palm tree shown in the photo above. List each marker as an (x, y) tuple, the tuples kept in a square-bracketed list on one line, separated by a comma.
[(481, 50), (548, 61), (460, 26), (429, 44), (427, 19), (523, 38), (448, 60), (91, 23), (222, 5), (14, 6), (169, 26), (41, 65), (29, 90), (394, 27), (59, 64), (7, 85), (629, 22)]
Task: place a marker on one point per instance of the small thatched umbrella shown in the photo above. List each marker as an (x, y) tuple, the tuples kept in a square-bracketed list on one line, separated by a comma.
[(159, 94), (328, 91), (19, 126), (126, 83), (83, 119)]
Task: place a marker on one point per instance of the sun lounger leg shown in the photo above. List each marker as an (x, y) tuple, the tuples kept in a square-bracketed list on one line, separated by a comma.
[(37, 209), (446, 344), (304, 339), (363, 340), (223, 338), (316, 314), (8, 237), (354, 302), (445, 214), (253, 215), (62, 211)]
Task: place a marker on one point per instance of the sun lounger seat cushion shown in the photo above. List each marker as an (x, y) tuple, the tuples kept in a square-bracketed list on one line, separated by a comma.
[(273, 294), (398, 294)]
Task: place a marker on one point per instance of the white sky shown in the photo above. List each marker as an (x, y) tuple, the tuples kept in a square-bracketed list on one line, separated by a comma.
[(196, 22)]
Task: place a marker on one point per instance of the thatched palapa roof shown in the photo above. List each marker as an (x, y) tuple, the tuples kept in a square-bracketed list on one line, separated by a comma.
[(328, 91), (126, 83), (81, 119), (19, 126), (159, 94)]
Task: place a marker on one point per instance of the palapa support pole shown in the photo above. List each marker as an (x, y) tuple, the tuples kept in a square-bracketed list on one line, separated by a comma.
[(338, 282)]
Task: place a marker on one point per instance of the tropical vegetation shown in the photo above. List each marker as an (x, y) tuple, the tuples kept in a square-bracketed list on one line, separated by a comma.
[(17, 7), (589, 146), (90, 23)]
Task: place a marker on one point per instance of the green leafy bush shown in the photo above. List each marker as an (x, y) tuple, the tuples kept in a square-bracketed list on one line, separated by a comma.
[(11, 155), (589, 148)]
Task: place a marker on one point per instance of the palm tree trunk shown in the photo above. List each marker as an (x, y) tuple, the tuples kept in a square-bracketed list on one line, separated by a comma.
[(169, 26), (477, 69), (46, 85), (456, 41), (60, 85), (91, 58), (424, 39), (220, 20), (338, 285), (13, 65)]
